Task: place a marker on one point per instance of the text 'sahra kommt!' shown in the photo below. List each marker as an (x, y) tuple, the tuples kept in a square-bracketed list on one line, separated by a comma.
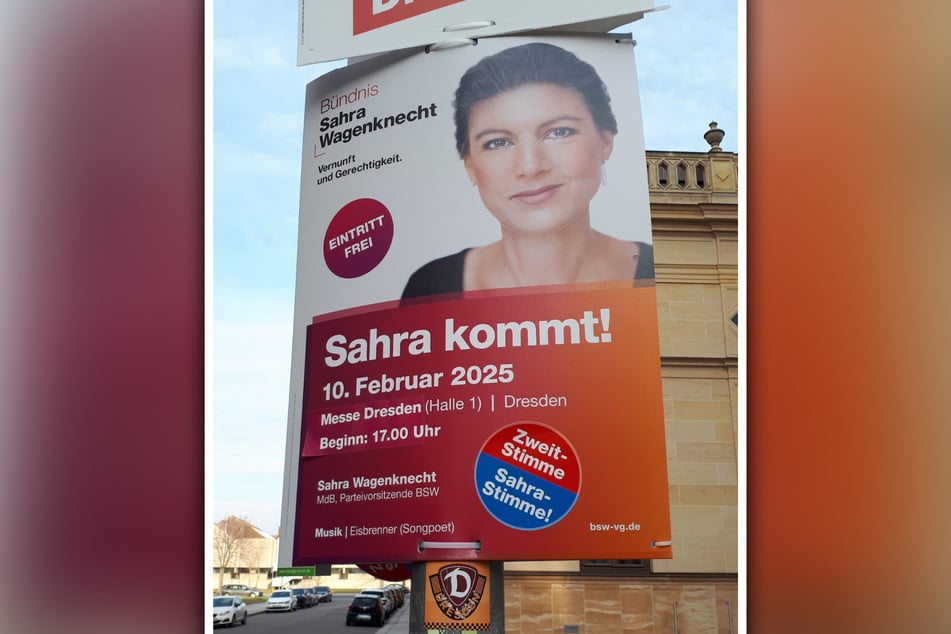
[(513, 334)]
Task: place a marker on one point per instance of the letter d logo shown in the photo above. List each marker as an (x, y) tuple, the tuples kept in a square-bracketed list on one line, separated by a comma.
[(457, 589)]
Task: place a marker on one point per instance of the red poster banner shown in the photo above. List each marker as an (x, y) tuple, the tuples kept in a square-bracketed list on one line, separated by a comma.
[(503, 423)]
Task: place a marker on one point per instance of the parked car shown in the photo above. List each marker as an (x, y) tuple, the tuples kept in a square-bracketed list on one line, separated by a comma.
[(281, 600), (241, 590), (366, 608), (324, 594), (388, 605), (228, 610), (312, 597), (303, 598), (396, 595)]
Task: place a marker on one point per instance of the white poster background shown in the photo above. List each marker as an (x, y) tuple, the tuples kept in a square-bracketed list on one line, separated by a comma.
[(325, 29), (436, 211)]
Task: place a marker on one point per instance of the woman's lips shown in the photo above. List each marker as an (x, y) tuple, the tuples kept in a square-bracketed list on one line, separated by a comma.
[(534, 196)]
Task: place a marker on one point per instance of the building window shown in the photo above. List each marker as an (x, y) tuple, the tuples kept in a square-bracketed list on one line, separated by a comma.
[(662, 174), (681, 175), (626, 567), (701, 174)]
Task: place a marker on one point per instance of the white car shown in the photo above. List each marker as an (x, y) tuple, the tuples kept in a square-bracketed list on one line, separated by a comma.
[(229, 610), (281, 600)]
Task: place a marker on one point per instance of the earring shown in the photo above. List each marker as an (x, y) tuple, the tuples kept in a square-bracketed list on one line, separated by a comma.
[(604, 175)]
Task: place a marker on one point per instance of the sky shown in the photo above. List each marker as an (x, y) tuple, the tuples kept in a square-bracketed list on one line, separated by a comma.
[(688, 74)]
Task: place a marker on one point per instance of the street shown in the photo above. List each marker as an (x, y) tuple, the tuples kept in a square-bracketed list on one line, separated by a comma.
[(326, 618)]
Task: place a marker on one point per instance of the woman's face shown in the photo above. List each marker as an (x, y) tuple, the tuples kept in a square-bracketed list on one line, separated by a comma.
[(535, 154)]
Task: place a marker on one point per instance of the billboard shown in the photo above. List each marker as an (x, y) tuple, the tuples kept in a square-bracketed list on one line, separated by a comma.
[(337, 30), (476, 369)]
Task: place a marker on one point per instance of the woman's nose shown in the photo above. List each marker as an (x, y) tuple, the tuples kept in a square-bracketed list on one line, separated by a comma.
[(532, 158)]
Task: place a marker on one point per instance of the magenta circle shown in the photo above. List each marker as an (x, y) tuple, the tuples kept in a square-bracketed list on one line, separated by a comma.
[(358, 238)]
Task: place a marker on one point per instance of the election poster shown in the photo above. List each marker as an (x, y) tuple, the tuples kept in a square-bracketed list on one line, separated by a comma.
[(475, 367)]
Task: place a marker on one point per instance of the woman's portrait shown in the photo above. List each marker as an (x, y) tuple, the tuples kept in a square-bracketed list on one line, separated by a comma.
[(534, 130)]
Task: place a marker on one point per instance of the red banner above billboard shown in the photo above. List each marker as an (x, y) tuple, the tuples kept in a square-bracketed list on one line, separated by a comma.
[(337, 30), (379, 13)]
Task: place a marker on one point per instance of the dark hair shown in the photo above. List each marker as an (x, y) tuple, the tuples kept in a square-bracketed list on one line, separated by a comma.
[(535, 63)]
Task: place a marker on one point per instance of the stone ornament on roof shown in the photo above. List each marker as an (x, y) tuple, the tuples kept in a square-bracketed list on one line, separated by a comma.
[(713, 136)]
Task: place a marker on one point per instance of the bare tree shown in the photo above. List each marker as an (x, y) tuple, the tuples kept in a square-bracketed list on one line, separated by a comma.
[(255, 553), (228, 544)]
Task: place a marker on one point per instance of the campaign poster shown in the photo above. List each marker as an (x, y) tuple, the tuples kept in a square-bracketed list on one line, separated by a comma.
[(476, 368)]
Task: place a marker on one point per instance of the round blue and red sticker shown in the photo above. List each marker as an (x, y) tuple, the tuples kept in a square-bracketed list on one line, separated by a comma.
[(358, 238), (528, 476)]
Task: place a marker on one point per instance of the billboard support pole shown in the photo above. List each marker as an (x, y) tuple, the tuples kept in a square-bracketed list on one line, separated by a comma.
[(417, 600), (497, 597)]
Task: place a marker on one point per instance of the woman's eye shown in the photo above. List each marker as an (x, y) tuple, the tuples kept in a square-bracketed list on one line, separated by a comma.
[(495, 144), (560, 133)]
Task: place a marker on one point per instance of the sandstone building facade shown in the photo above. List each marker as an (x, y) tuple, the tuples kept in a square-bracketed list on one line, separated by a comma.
[(694, 218)]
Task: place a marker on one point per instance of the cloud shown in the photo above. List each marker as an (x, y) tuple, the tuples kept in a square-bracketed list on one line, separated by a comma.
[(251, 353), (672, 122), (252, 343), (264, 512), (252, 54), (238, 161), (687, 70), (283, 127)]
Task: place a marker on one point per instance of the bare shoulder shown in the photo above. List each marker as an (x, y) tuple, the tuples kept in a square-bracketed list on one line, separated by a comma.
[(616, 249), (617, 259)]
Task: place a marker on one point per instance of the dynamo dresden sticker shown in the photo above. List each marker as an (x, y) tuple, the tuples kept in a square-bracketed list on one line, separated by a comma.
[(457, 589)]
